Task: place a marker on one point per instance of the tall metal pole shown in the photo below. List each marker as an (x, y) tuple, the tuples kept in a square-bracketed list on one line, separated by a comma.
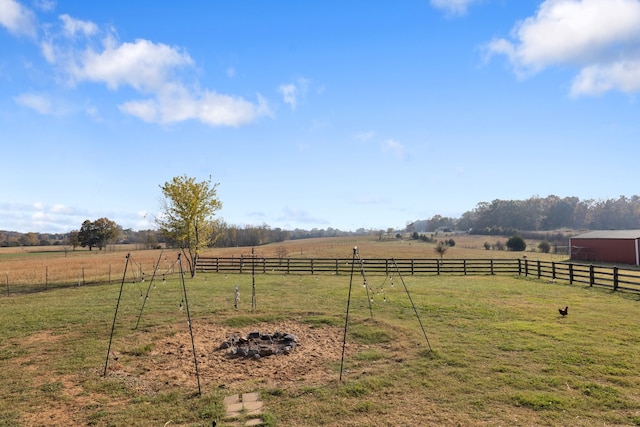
[(413, 305), (115, 315), (193, 345), (153, 276), (346, 320)]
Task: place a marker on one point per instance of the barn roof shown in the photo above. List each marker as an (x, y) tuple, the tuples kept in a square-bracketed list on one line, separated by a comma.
[(609, 234)]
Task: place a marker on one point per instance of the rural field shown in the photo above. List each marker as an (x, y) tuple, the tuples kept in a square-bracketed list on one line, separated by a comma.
[(475, 351)]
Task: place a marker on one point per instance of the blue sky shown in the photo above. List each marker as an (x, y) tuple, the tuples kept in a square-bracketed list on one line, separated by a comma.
[(313, 114)]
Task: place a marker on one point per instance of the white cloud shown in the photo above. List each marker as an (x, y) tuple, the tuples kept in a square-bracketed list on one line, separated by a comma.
[(292, 92), (40, 103), (45, 5), (209, 107), (601, 37), (597, 79), (17, 19), (143, 65), (453, 7), (289, 94), (73, 26), (82, 52), (397, 149)]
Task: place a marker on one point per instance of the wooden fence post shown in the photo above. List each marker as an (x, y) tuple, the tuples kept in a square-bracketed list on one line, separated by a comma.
[(519, 267), (615, 278), (492, 273), (592, 277), (553, 270), (464, 266), (438, 266), (412, 266), (571, 274), (526, 268), (539, 272)]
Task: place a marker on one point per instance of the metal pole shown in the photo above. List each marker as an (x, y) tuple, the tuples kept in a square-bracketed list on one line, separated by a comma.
[(144, 301), (186, 304), (413, 305), (346, 320)]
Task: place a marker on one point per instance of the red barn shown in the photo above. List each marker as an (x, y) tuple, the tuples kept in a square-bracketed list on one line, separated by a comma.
[(615, 246)]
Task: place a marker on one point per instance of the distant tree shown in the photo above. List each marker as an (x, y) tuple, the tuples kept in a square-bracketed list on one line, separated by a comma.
[(451, 242), (73, 239), (487, 246), (29, 239), (544, 247), (441, 248), (499, 246), (282, 252), (187, 216), (516, 243), (97, 233), (87, 235), (106, 231)]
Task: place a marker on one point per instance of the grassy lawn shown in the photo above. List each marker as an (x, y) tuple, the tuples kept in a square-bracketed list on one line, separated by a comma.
[(501, 353)]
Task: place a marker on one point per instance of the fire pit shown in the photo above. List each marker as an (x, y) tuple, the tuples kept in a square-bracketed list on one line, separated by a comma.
[(256, 345)]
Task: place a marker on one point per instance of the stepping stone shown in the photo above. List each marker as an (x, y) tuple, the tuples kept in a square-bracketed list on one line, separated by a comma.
[(253, 408), (251, 397), (232, 399), (253, 422)]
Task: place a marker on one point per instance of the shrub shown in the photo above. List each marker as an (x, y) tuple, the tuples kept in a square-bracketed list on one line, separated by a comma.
[(544, 247), (516, 243)]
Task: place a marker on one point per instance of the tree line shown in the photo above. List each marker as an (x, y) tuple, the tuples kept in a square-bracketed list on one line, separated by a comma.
[(533, 217), (538, 214)]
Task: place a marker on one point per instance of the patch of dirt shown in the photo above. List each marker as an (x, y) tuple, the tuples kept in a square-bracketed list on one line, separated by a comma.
[(171, 363)]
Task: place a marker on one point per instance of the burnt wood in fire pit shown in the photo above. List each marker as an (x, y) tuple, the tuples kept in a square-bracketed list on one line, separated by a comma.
[(256, 345)]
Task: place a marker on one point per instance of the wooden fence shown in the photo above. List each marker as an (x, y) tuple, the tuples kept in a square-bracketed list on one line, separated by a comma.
[(612, 277)]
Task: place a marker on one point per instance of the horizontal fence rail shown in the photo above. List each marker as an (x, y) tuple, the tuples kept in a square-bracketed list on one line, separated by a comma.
[(614, 278), (611, 277), (371, 266)]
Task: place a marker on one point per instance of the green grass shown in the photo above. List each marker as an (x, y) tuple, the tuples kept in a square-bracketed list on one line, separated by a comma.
[(501, 353)]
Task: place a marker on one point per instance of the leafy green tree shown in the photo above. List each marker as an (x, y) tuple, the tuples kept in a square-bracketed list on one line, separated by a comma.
[(516, 243), (97, 233), (187, 216), (87, 235)]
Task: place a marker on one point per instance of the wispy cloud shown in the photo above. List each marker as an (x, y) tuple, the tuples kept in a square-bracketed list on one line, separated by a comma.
[(364, 136), (453, 7), (300, 216), (600, 37), (397, 149), (293, 92), (40, 103)]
